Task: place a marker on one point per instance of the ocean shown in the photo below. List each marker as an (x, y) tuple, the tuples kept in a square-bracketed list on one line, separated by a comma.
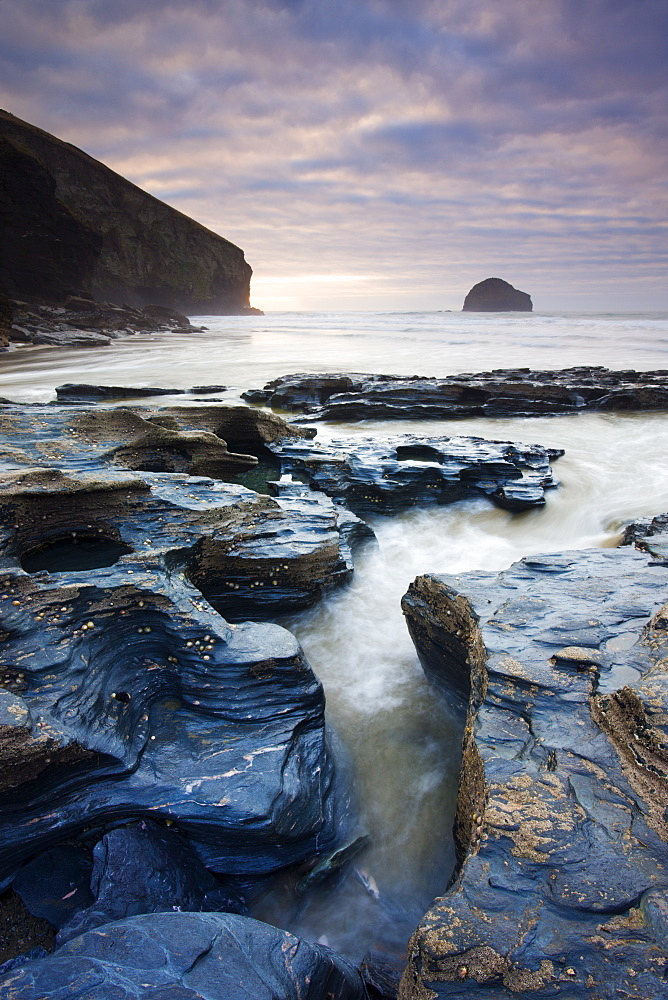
[(401, 738)]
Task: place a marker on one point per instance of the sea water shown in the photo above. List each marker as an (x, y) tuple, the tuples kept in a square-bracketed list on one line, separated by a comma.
[(403, 740)]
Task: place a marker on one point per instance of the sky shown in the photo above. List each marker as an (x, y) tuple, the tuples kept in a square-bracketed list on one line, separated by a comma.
[(377, 154)]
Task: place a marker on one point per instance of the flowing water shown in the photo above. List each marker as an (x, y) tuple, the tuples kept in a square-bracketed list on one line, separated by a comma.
[(402, 739)]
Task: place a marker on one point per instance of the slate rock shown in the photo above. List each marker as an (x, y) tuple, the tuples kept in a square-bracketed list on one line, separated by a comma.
[(249, 554), (499, 393), (496, 295), (56, 883), (383, 475), (649, 534), (65, 338), (138, 438), (145, 868), (561, 827), (79, 322), (137, 700), (164, 314), (381, 974), (82, 392), (28, 956), (184, 956)]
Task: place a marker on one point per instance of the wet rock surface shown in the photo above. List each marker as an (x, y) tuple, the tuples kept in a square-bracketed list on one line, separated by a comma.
[(192, 440), (154, 755), (83, 322), (249, 554), (499, 393), (125, 695), (142, 868), (384, 475), (183, 956), (561, 824), (650, 534), (86, 393)]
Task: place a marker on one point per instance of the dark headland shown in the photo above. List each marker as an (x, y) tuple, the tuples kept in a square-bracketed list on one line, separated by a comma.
[(70, 224)]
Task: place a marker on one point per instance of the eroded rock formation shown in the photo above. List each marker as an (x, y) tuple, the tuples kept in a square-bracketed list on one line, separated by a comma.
[(125, 695), (383, 475), (650, 535), (180, 956), (561, 828), (154, 751), (496, 295), (71, 223), (82, 322), (501, 393)]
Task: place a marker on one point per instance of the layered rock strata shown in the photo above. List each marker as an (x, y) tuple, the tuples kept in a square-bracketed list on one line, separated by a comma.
[(155, 755), (500, 393), (182, 956), (561, 829), (71, 223), (125, 695), (82, 322), (365, 474), (649, 534), (384, 475), (193, 440)]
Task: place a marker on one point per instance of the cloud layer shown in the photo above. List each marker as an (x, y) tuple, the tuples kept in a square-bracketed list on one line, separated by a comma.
[(413, 148)]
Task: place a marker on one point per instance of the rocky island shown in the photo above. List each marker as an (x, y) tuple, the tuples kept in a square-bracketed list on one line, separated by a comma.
[(496, 295)]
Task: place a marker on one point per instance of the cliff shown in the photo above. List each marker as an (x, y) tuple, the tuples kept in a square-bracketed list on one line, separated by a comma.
[(69, 223)]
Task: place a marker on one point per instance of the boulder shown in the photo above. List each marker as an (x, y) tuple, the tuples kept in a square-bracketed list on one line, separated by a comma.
[(69, 222), (183, 956), (496, 295), (561, 827), (508, 392), (143, 868)]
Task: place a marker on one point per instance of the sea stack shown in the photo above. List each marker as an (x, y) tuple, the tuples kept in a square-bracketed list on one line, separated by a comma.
[(69, 223), (496, 295)]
